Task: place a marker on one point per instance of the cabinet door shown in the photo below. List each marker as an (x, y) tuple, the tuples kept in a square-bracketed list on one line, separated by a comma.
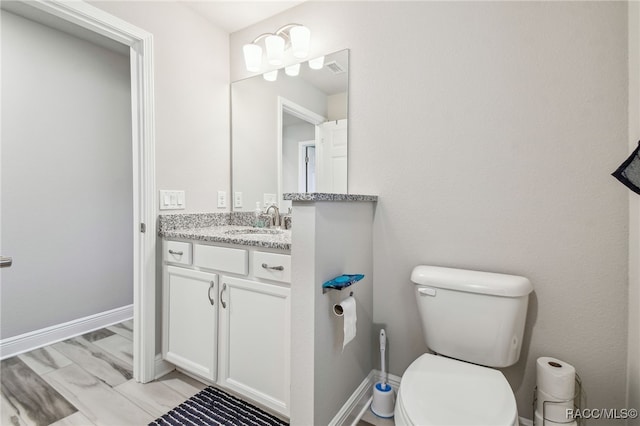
[(255, 341), (190, 320)]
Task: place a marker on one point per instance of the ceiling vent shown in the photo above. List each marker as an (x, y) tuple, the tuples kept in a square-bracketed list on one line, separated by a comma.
[(335, 67)]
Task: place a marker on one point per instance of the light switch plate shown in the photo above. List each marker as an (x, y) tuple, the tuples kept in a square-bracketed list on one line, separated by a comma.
[(237, 200), (222, 199), (172, 200)]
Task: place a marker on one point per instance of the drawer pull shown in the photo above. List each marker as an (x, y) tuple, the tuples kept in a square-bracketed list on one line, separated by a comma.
[(275, 268), (209, 293), (177, 253), (224, 287)]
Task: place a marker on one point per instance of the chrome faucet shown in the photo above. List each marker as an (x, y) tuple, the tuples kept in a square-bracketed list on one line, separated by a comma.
[(275, 221)]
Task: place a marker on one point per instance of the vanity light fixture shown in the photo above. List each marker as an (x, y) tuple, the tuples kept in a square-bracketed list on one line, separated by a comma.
[(294, 35)]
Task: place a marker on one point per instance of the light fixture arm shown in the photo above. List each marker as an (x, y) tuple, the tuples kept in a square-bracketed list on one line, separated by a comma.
[(260, 38), (283, 32)]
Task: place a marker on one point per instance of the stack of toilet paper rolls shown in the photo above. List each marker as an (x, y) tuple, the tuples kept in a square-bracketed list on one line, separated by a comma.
[(556, 382)]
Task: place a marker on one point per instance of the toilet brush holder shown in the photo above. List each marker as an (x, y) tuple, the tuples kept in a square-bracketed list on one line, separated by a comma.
[(384, 400)]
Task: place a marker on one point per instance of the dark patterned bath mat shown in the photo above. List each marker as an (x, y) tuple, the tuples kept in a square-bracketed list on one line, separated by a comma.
[(212, 407)]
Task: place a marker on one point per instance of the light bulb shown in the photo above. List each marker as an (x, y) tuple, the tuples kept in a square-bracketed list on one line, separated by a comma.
[(271, 75), (275, 49), (300, 38), (252, 57), (292, 70), (316, 63)]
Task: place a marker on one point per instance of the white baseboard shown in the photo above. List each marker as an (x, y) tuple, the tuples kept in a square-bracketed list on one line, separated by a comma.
[(525, 422), (362, 393), (36, 339), (162, 367)]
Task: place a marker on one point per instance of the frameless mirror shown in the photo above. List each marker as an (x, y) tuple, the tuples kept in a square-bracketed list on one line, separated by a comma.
[(290, 135)]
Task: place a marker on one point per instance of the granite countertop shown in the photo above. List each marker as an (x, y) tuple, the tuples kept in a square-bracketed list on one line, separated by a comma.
[(322, 196), (230, 234)]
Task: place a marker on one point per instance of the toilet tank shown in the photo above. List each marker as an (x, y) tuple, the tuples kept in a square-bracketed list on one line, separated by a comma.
[(470, 315)]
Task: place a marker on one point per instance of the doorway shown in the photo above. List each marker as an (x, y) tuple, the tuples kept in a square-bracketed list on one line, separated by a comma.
[(307, 166), (85, 20), (295, 124)]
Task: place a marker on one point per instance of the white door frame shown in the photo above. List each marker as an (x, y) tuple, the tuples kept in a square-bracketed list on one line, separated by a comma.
[(290, 107), (140, 43)]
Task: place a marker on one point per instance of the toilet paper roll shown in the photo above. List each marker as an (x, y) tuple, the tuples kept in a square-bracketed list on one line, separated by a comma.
[(541, 421), (347, 310), (556, 378), (551, 408)]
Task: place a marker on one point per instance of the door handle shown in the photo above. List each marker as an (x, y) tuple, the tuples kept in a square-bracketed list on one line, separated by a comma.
[(427, 291), (224, 287), (5, 262), (209, 293)]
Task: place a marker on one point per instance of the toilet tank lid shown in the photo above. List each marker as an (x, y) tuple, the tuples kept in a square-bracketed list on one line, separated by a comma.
[(471, 281)]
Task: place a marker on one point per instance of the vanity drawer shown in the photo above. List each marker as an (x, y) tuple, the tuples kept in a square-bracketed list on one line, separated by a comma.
[(221, 259), (272, 266), (177, 252)]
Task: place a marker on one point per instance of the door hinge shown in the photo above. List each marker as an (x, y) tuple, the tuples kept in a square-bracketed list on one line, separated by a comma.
[(143, 227)]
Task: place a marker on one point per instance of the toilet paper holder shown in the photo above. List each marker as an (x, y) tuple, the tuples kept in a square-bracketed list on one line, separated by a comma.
[(577, 402), (337, 308), (341, 282)]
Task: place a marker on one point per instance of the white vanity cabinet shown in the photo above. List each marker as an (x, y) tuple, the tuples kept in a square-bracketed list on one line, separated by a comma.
[(255, 340), (191, 312), (226, 317)]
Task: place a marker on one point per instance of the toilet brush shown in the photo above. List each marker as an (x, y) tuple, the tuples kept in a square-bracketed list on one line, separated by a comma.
[(383, 401)]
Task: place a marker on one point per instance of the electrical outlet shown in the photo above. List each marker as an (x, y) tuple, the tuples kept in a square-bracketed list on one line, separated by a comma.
[(237, 200), (222, 199)]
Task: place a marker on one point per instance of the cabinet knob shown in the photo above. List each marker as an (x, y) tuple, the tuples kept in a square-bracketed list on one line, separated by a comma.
[(177, 253)]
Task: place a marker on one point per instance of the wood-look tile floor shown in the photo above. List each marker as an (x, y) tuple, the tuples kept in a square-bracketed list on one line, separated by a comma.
[(85, 381)]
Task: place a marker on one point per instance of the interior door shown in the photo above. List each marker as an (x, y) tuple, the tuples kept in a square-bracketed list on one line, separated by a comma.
[(333, 174)]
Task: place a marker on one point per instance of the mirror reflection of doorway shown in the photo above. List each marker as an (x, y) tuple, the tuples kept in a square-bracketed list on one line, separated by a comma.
[(307, 166), (297, 135)]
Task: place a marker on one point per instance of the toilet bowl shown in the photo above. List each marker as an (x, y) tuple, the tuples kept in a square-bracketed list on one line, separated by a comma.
[(440, 391)]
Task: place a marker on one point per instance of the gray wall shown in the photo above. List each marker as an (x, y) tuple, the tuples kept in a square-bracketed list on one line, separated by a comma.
[(489, 130), (66, 178)]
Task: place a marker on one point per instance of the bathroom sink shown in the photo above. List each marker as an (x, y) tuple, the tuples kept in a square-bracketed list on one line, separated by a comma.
[(254, 231)]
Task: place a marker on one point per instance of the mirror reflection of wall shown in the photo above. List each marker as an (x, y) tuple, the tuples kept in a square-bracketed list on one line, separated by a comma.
[(290, 135)]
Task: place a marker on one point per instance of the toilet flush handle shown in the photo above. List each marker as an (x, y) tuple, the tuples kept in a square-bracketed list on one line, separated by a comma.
[(427, 291)]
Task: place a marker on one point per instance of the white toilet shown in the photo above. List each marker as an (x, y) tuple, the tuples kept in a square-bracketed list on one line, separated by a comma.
[(470, 319)]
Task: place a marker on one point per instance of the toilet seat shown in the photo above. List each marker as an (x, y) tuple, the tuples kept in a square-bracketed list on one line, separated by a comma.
[(441, 391)]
